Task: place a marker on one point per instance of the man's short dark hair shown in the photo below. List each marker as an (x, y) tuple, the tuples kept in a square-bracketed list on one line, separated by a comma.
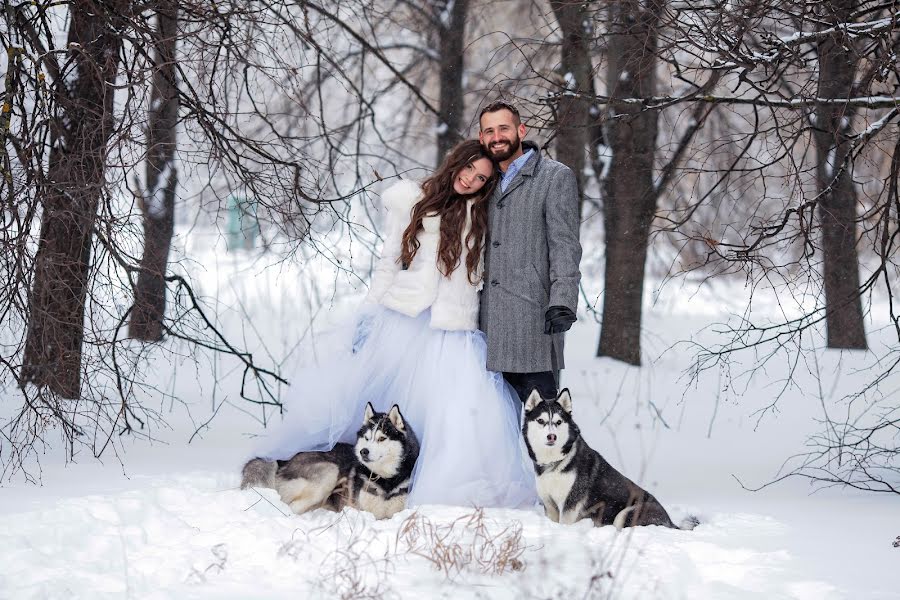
[(500, 105)]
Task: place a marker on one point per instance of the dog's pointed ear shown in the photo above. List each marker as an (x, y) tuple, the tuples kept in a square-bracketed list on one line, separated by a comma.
[(565, 400), (396, 418), (533, 400), (369, 414)]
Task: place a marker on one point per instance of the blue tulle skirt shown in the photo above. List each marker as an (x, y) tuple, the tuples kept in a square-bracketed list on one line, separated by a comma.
[(466, 418)]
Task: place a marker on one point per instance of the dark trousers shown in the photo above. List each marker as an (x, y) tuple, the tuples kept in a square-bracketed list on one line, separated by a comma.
[(545, 382)]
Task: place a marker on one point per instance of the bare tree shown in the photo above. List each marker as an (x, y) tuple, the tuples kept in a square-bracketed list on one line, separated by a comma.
[(809, 76), (757, 142), (629, 194), (304, 106), (836, 209), (292, 103), (573, 111), (70, 195), (158, 201), (450, 16)]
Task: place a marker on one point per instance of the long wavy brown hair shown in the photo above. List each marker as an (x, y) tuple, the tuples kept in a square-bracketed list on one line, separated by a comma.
[(439, 198)]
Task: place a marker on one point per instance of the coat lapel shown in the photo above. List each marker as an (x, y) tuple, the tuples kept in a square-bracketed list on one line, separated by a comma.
[(519, 180), (527, 170)]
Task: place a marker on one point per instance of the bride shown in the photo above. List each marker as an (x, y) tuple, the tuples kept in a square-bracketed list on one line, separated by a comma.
[(415, 342)]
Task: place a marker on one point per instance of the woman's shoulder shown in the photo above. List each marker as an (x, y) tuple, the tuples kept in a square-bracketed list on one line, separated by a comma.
[(401, 195)]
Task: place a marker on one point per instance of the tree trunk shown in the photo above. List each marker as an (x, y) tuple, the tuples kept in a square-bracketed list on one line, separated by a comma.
[(158, 206), (451, 22), (629, 198), (573, 118), (69, 198), (837, 204)]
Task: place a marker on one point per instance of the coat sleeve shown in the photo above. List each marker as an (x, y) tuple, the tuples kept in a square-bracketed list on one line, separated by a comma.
[(416, 288), (563, 223), (387, 265), (398, 200)]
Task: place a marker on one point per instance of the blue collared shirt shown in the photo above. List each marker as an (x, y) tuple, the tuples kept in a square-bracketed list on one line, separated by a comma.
[(513, 169)]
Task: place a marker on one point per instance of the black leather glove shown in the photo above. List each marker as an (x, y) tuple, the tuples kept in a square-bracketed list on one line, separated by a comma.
[(558, 319)]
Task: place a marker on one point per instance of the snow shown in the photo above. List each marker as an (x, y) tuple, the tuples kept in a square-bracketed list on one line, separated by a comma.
[(605, 154), (447, 13), (196, 536), (156, 196), (879, 124), (829, 161), (172, 523)]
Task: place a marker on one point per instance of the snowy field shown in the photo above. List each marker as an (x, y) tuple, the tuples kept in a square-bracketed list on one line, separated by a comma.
[(169, 522)]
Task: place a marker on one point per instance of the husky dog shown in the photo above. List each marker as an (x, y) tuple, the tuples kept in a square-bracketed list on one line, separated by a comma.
[(372, 475), (573, 481)]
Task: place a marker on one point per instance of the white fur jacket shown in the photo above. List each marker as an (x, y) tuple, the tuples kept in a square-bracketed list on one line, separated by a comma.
[(453, 300)]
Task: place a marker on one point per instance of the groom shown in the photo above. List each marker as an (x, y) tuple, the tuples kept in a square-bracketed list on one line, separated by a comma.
[(531, 257)]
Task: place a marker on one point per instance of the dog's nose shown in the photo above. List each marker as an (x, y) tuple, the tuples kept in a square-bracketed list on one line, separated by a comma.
[(364, 452), (551, 437)]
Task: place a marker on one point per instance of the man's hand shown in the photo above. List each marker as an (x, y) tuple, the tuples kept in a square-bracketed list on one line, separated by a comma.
[(558, 319)]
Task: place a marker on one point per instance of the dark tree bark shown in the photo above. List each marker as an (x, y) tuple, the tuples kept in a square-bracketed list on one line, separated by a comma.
[(629, 197), (70, 196), (573, 118), (158, 206), (451, 23), (834, 176)]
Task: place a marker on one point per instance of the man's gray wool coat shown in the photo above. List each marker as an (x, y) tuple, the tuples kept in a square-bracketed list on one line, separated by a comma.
[(531, 263)]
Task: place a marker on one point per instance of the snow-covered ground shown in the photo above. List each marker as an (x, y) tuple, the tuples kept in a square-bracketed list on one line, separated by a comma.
[(171, 523)]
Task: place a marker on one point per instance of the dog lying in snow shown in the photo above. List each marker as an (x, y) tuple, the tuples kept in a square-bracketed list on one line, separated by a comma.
[(372, 475)]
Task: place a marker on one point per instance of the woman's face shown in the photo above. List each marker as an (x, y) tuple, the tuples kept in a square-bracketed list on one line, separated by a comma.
[(473, 176)]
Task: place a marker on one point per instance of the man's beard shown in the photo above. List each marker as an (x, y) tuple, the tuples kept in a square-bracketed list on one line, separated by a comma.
[(501, 155)]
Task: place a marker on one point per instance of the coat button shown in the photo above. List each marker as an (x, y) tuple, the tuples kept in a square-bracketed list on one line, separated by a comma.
[(499, 205), (496, 244), (494, 282)]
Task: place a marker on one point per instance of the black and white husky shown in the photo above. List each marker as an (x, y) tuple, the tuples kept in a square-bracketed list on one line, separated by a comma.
[(372, 475), (574, 482)]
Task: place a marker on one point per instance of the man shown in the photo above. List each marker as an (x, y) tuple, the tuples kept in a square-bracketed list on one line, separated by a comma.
[(531, 257)]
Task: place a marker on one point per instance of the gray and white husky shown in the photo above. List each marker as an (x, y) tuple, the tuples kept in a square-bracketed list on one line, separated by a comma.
[(574, 482), (372, 475)]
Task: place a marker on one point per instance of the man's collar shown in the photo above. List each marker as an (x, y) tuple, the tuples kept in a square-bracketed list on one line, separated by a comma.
[(529, 166), (526, 146), (521, 159)]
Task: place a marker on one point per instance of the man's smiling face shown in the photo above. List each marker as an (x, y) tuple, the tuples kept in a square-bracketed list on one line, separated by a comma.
[(501, 134)]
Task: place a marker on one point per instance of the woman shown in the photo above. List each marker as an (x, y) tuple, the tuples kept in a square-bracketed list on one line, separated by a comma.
[(416, 343)]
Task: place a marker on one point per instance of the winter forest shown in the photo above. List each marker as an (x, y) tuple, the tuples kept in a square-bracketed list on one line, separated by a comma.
[(191, 196)]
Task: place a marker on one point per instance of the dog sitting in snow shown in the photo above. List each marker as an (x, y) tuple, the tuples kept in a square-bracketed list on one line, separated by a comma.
[(372, 475), (574, 482)]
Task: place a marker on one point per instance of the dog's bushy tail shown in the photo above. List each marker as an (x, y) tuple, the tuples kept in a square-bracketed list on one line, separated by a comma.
[(258, 472), (689, 522)]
